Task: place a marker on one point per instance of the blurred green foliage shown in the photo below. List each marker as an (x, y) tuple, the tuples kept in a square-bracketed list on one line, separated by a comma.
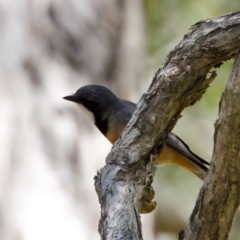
[(167, 21), (166, 24)]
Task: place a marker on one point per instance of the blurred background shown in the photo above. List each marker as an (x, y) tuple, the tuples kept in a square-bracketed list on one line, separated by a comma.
[(50, 152)]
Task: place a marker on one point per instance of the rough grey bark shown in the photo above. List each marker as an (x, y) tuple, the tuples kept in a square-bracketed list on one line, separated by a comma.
[(219, 197), (125, 182)]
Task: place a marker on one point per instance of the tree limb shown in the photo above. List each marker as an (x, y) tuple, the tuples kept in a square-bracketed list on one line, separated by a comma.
[(182, 79), (220, 195)]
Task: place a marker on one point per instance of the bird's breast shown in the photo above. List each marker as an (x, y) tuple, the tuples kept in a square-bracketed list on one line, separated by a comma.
[(88, 113)]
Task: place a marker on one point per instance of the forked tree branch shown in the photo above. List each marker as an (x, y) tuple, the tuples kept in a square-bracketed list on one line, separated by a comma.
[(220, 195), (124, 184)]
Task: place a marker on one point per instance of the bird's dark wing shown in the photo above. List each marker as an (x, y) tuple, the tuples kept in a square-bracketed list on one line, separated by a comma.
[(180, 146)]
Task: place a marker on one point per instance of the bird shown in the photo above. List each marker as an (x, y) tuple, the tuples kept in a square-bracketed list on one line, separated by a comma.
[(111, 114)]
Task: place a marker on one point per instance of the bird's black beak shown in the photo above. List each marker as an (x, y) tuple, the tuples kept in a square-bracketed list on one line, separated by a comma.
[(71, 98)]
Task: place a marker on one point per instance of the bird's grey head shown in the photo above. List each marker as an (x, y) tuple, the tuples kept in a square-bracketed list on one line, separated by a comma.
[(93, 100), (93, 97)]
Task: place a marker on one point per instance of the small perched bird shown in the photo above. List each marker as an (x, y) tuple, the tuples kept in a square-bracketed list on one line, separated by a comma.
[(111, 114)]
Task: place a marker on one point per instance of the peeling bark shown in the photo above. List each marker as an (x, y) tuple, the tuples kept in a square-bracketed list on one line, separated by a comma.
[(124, 184)]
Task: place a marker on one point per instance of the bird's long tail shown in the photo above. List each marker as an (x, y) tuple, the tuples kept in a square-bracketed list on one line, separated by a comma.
[(177, 152)]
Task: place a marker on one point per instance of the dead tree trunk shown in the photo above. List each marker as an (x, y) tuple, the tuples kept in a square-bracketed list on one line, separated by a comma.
[(124, 184)]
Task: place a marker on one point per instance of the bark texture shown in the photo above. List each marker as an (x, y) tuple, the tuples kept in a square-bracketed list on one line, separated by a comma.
[(125, 182), (219, 198)]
